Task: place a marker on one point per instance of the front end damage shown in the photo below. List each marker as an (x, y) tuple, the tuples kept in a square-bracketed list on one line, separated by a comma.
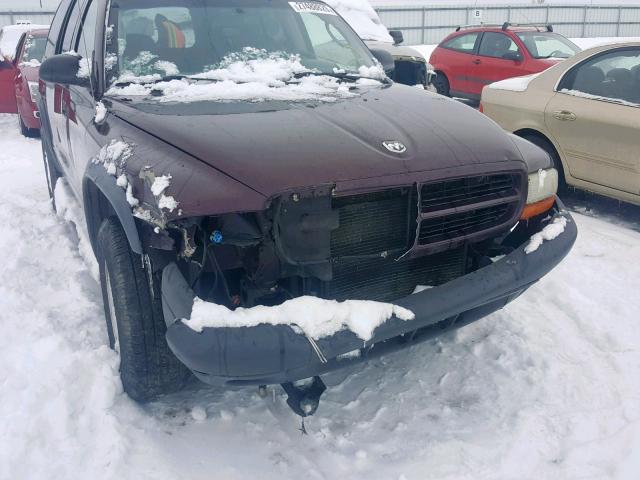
[(460, 237)]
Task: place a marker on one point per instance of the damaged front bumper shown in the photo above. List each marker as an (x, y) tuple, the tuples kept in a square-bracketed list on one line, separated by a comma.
[(268, 354)]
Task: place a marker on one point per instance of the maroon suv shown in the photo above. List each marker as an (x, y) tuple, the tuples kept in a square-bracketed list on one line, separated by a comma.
[(263, 201)]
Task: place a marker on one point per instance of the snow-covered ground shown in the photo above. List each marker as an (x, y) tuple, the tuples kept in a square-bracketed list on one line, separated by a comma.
[(548, 388)]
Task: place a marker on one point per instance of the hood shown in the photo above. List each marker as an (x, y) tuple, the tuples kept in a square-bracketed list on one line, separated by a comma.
[(29, 71), (398, 51), (279, 147)]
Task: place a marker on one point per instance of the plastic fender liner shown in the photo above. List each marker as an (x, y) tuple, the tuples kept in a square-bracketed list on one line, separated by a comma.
[(116, 196)]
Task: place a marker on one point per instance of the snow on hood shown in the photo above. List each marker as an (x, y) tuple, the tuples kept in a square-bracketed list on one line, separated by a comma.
[(362, 18), (10, 36), (515, 84), (250, 75), (316, 317)]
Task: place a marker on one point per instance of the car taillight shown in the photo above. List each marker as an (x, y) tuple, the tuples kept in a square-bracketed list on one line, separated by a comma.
[(481, 108)]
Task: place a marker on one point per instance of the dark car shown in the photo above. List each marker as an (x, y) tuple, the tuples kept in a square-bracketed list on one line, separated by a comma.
[(477, 55), (263, 201), (29, 55)]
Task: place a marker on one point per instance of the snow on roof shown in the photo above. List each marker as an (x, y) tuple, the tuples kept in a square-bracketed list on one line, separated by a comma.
[(10, 36), (362, 18)]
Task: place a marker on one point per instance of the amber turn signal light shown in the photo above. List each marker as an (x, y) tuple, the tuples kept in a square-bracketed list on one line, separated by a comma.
[(537, 208)]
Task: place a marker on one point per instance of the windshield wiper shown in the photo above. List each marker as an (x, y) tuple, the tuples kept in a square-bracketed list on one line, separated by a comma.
[(166, 78), (349, 77)]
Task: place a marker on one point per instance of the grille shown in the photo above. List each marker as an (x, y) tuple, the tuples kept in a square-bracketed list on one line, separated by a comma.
[(463, 224), (386, 280), (466, 191), (469, 208), (372, 223)]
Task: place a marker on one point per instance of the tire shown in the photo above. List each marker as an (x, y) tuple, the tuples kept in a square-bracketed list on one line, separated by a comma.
[(26, 131), (135, 323), (548, 147), (51, 173), (442, 84)]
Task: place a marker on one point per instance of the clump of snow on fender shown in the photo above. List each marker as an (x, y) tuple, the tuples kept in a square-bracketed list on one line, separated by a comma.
[(160, 184), (551, 231), (101, 113), (316, 317)]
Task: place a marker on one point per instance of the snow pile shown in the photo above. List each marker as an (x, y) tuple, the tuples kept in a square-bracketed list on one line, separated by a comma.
[(252, 75), (316, 317), (549, 232), (514, 84), (577, 93), (362, 18), (84, 68), (160, 184)]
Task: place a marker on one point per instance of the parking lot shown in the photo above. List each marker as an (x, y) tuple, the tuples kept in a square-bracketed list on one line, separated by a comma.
[(546, 388)]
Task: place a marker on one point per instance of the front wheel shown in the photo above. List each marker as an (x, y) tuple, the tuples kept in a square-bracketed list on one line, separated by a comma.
[(135, 323), (442, 84), (26, 131)]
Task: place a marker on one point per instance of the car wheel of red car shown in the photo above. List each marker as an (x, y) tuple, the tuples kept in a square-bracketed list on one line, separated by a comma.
[(26, 131), (442, 84), (135, 323)]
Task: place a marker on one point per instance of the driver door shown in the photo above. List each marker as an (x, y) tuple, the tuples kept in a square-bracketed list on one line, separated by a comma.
[(595, 119), (7, 92)]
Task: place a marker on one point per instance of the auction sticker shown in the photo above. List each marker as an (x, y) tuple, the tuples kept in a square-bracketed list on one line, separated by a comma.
[(312, 7)]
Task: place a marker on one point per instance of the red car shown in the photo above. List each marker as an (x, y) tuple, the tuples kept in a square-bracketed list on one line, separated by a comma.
[(10, 38), (29, 55), (473, 57)]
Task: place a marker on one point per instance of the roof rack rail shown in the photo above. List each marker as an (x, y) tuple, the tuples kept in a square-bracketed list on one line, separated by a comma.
[(478, 25), (548, 27)]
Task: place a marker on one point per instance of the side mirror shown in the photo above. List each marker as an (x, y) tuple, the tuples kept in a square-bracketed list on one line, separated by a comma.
[(386, 59), (397, 36), (5, 64), (514, 56), (63, 69)]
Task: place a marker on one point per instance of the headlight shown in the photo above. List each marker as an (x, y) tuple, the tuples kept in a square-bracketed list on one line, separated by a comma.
[(33, 91), (541, 193)]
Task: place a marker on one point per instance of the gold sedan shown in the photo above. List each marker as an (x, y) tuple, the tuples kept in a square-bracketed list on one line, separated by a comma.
[(585, 112)]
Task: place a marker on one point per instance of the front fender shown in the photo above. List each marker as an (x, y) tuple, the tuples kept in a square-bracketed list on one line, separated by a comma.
[(97, 176)]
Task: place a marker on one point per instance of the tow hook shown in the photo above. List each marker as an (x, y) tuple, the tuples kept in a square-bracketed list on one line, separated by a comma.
[(304, 397)]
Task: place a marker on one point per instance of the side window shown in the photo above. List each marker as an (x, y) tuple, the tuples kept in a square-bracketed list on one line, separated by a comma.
[(69, 28), (496, 45), (463, 43), (85, 43), (56, 25), (614, 75)]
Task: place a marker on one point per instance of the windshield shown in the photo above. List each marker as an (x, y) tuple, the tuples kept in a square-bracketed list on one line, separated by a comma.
[(191, 37), (34, 49), (548, 45)]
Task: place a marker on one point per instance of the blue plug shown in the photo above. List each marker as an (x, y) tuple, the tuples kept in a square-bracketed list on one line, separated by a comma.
[(216, 237)]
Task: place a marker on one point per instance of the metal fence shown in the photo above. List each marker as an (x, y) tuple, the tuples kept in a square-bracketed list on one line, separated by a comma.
[(35, 17), (430, 24)]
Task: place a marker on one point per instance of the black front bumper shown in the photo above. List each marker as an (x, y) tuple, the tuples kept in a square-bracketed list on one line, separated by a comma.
[(267, 354)]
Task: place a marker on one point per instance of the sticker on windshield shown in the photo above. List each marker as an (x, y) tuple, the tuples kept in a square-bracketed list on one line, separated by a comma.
[(312, 7)]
